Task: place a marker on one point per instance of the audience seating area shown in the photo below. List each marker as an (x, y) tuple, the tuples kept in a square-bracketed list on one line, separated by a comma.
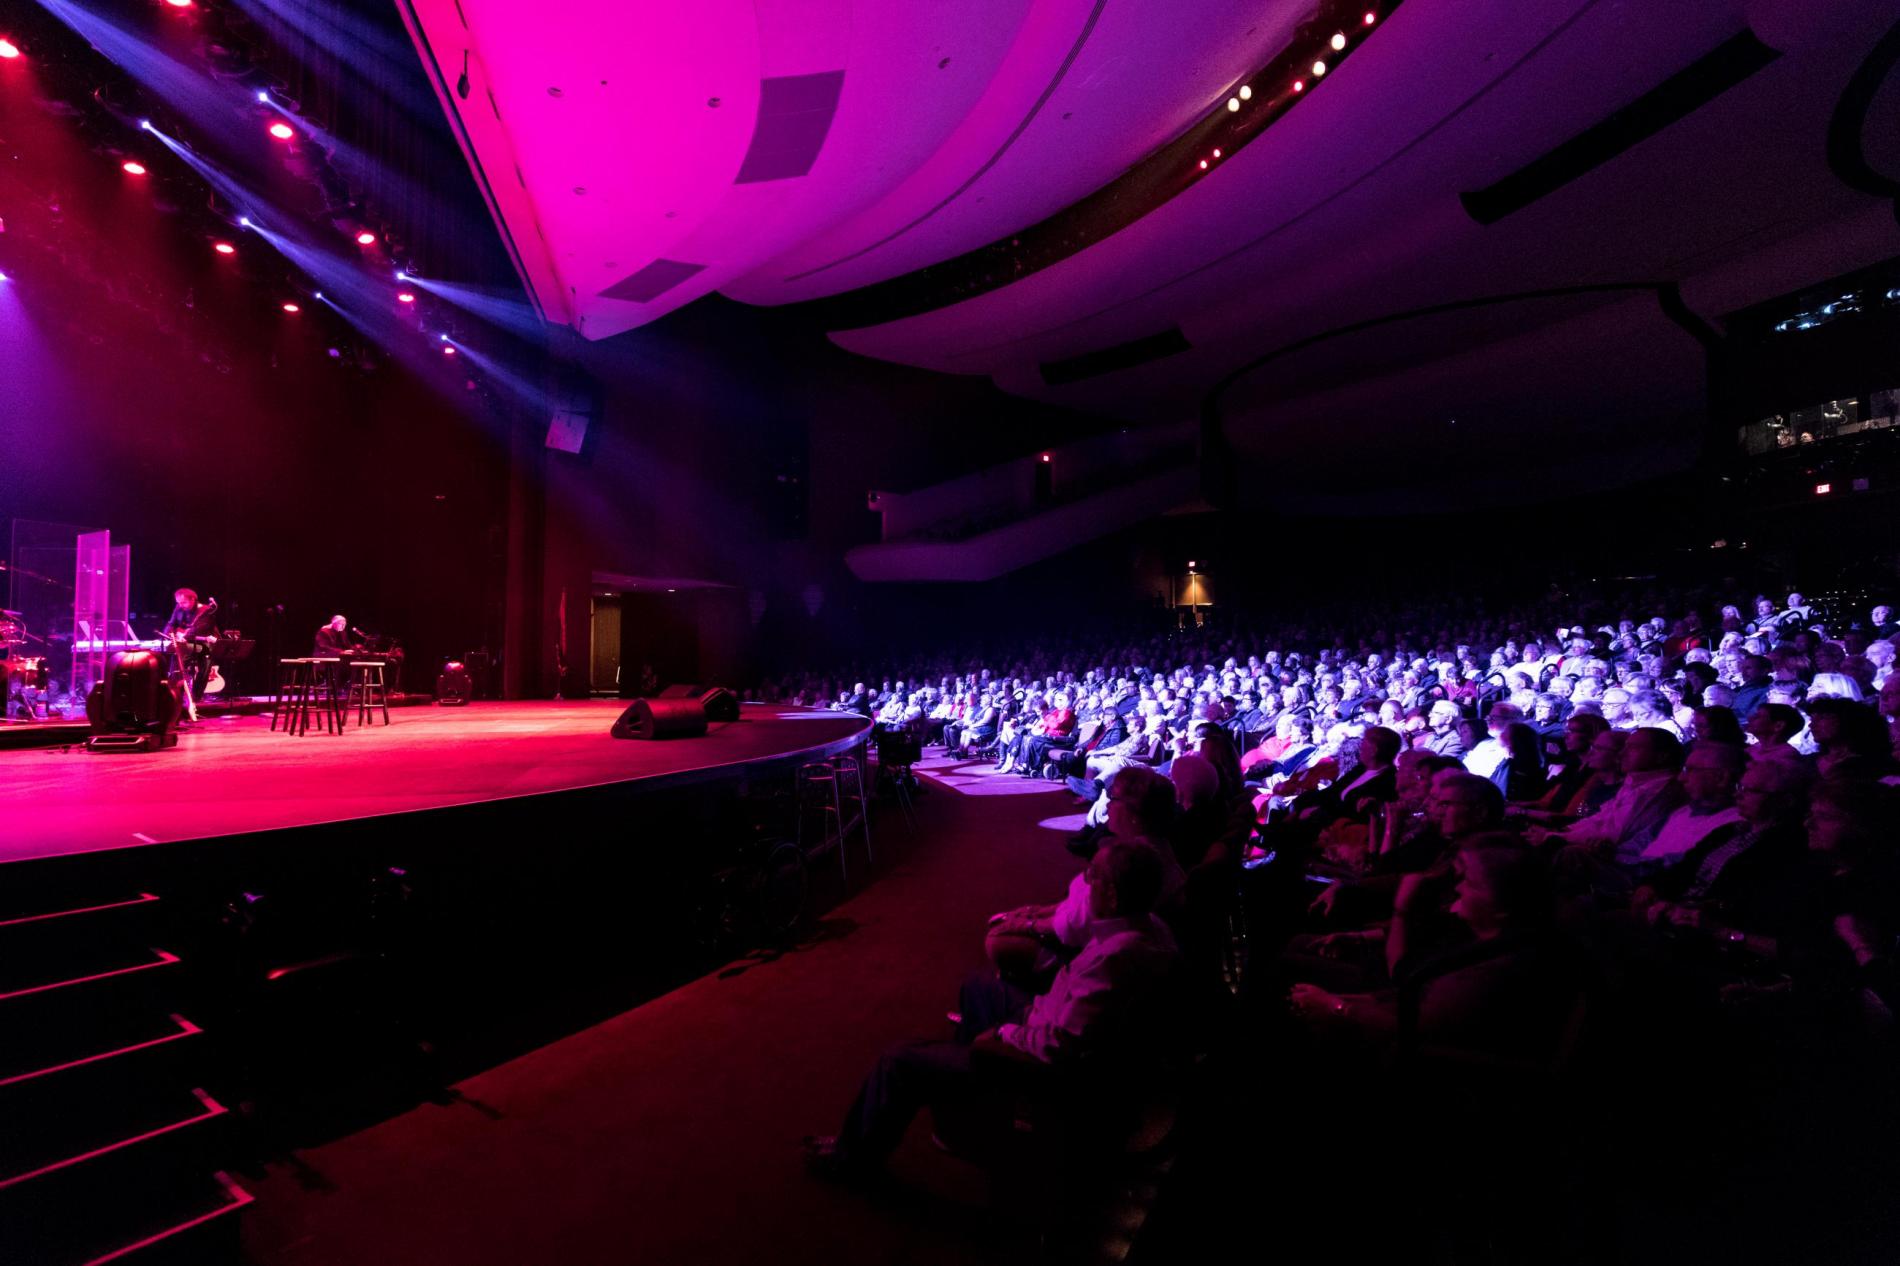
[(1585, 912)]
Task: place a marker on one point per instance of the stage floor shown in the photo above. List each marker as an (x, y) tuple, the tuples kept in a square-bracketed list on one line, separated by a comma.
[(235, 775)]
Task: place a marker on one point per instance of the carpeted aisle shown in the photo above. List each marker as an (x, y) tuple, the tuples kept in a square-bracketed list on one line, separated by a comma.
[(670, 1133)]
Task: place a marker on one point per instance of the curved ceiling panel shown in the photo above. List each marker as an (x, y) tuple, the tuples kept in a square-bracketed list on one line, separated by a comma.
[(1348, 209), (1085, 94), (707, 138)]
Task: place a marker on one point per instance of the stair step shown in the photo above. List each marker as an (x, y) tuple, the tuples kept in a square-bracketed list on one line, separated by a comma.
[(178, 1218), (40, 1137), (159, 1051), (65, 1006)]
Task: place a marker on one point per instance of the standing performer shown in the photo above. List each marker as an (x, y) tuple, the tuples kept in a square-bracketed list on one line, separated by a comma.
[(192, 630)]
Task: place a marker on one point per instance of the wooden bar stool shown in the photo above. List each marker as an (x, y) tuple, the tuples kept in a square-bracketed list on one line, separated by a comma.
[(366, 676), (290, 677)]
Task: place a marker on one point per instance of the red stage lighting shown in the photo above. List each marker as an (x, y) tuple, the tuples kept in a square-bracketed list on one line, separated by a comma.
[(405, 297), (224, 248), (1203, 164), (1045, 457), (9, 50), (448, 351), (133, 167), (366, 238), (179, 4), (282, 131), (1299, 85), (292, 308), (1371, 18)]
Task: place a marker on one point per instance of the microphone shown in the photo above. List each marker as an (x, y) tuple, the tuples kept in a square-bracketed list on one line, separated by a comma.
[(358, 631)]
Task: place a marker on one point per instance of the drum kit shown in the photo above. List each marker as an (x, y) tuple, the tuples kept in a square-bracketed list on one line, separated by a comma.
[(29, 670)]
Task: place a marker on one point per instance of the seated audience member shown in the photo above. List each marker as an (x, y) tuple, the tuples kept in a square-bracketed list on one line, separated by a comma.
[(1031, 941), (1649, 709), (1442, 737), (1710, 773), (1483, 757), (1102, 1008), (1460, 805), (1714, 723), (1506, 992), (1749, 880), (1774, 728), (1370, 782), (1520, 775), (1617, 834), (1844, 731)]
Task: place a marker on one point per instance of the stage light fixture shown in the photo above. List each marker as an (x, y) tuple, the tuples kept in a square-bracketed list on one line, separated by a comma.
[(1339, 41), (366, 238), (1233, 104), (448, 351), (1371, 18), (401, 275), (1246, 93), (263, 97), (1319, 68), (1046, 458), (9, 50), (405, 297), (443, 337), (224, 248), (292, 308), (179, 4), (4, 277), (1217, 153), (133, 167), (282, 131), (244, 222), (1203, 164), (1299, 85), (145, 125)]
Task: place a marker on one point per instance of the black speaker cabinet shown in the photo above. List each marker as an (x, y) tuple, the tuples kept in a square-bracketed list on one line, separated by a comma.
[(720, 704), (661, 719)]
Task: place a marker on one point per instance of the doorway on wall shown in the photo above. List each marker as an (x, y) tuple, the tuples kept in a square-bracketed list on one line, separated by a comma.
[(603, 673)]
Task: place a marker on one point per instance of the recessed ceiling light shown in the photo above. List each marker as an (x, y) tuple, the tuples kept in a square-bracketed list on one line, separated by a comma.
[(1246, 93), (282, 131), (1339, 41), (1319, 68), (133, 167)]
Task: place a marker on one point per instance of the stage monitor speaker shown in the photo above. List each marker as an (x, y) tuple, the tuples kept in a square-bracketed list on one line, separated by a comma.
[(720, 704), (680, 690), (661, 719)]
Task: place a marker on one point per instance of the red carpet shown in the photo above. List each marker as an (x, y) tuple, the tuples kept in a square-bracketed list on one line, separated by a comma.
[(671, 1133)]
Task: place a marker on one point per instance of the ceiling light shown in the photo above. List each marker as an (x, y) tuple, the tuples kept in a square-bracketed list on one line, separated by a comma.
[(1246, 93), (1319, 68), (405, 297), (448, 351), (366, 238), (292, 308), (1371, 18), (1299, 85), (1217, 153), (1233, 104), (282, 131), (9, 50), (1339, 41), (224, 248), (179, 4), (133, 167), (1203, 164)]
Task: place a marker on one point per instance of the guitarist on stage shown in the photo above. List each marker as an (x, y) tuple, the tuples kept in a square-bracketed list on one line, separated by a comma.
[(192, 629)]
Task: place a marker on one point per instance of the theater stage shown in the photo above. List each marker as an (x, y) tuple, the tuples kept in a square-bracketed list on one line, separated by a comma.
[(236, 776)]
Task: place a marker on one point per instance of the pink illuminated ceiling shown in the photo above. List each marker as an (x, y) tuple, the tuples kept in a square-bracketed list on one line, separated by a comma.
[(734, 144), (950, 126)]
